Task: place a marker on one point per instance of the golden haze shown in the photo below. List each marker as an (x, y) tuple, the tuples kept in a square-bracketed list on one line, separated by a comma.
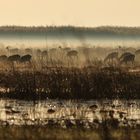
[(70, 12)]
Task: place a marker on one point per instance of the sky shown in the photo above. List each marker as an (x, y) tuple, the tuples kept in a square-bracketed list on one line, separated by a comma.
[(88, 13)]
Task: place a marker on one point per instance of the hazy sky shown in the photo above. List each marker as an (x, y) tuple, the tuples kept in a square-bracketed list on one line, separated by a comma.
[(70, 12)]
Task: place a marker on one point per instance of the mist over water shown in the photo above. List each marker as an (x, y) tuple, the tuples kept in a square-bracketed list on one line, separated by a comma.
[(53, 40)]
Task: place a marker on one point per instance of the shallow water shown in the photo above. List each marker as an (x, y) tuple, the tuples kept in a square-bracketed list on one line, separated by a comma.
[(20, 40), (67, 113)]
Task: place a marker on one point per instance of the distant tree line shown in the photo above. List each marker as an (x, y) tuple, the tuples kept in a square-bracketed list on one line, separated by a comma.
[(72, 29)]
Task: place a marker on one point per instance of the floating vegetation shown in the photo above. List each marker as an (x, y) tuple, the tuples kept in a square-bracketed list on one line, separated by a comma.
[(84, 92)]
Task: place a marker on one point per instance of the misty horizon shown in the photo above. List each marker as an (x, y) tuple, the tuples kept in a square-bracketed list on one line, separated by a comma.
[(90, 13)]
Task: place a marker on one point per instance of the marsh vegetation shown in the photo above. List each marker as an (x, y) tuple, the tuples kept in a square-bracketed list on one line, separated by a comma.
[(69, 73), (82, 91)]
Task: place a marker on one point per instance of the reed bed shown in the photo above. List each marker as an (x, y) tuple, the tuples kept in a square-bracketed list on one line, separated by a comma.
[(70, 83)]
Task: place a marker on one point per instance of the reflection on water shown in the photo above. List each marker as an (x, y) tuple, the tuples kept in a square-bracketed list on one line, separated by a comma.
[(69, 113)]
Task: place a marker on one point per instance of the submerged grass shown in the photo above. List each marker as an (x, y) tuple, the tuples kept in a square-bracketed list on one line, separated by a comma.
[(70, 83), (41, 133)]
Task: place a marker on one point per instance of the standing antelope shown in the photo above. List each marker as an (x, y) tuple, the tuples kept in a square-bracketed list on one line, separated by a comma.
[(124, 54), (128, 58), (72, 53), (14, 58), (3, 58), (25, 58), (28, 51), (111, 56), (71, 56)]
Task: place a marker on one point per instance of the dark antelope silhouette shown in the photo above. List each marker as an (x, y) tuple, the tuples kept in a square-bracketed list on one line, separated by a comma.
[(14, 58), (25, 58), (128, 58), (124, 54), (3, 58), (111, 56), (72, 53)]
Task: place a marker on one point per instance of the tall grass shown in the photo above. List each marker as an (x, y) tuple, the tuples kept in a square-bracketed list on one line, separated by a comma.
[(70, 83)]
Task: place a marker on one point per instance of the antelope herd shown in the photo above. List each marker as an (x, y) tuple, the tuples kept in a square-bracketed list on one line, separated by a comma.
[(65, 56), (15, 58), (126, 57)]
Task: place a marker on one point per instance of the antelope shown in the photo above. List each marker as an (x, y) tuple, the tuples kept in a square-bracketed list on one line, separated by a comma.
[(28, 51), (72, 53), (111, 56), (128, 58), (3, 57), (25, 58), (52, 51), (14, 58), (124, 54)]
